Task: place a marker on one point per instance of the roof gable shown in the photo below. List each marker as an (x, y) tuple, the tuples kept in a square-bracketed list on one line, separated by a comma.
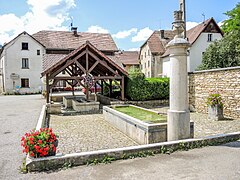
[(207, 26), (79, 54), (158, 45), (23, 33)]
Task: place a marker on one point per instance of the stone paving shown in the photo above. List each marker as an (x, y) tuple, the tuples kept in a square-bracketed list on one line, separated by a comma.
[(206, 127), (82, 133), (87, 133)]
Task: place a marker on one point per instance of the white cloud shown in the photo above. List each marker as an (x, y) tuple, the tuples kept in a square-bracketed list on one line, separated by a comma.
[(134, 49), (190, 25), (42, 15), (124, 34), (142, 35), (220, 23), (97, 29)]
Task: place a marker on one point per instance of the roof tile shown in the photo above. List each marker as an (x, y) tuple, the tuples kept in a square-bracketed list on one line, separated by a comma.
[(67, 40)]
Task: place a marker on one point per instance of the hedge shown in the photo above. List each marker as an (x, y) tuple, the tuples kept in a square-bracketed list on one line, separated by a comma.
[(140, 88)]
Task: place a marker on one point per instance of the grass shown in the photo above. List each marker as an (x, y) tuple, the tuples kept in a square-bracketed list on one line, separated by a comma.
[(144, 115)]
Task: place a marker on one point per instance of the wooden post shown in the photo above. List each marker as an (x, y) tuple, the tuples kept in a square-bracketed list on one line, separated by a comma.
[(110, 88), (87, 92), (86, 60), (102, 87), (122, 90), (47, 88)]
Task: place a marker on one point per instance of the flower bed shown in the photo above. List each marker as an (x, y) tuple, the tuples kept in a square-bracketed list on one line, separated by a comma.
[(40, 143)]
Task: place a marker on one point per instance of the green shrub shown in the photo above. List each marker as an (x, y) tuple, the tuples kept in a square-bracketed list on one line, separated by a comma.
[(140, 88)]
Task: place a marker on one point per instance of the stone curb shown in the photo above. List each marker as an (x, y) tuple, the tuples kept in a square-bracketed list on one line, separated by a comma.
[(75, 159), (42, 118)]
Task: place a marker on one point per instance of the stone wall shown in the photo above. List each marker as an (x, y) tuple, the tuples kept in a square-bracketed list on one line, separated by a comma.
[(224, 81)]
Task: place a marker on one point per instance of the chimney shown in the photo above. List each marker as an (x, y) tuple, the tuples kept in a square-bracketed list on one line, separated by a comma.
[(74, 30), (162, 34)]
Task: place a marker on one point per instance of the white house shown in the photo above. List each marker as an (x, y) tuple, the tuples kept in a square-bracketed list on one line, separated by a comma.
[(199, 37), (21, 65), (23, 59)]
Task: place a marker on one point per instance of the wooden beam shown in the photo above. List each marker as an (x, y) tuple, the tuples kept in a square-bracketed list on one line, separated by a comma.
[(55, 81), (80, 66), (93, 66), (69, 71), (69, 62), (107, 77), (68, 77), (101, 62)]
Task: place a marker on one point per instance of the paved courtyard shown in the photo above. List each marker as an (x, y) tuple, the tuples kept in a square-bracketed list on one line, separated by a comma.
[(91, 132), (87, 133), (19, 114), (206, 127)]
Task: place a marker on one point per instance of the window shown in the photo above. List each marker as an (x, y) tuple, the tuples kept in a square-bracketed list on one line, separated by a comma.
[(63, 72), (25, 83), (148, 53), (148, 63), (38, 52), (24, 46), (145, 54), (148, 74), (145, 65), (25, 63), (209, 37)]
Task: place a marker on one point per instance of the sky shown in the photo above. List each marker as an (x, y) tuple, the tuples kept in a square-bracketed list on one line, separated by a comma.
[(130, 22)]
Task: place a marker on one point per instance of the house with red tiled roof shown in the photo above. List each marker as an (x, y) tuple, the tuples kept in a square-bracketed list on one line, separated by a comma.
[(25, 57), (126, 59), (154, 57), (21, 65)]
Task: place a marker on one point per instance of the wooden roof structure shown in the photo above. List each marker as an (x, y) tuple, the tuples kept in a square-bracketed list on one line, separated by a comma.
[(84, 66)]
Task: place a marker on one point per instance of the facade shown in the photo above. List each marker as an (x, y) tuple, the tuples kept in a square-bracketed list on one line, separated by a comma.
[(199, 37), (20, 65), (25, 57)]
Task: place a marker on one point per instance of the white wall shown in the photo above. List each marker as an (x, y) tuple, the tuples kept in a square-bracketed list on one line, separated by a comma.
[(13, 64), (198, 48), (166, 66), (144, 60), (194, 58)]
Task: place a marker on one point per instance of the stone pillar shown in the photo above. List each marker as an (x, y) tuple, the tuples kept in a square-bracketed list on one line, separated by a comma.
[(178, 114)]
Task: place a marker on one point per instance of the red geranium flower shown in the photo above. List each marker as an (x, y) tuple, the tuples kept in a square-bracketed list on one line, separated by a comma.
[(39, 143)]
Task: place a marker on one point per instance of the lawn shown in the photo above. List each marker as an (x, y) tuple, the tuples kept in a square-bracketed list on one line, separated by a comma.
[(143, 115)]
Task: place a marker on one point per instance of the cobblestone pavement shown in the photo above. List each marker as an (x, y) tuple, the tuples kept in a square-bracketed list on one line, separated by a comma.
[(91, 132), (206, 127), (87, 133)]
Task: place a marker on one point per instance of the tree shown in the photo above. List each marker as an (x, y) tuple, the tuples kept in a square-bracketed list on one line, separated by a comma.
[(223, 53), (233, 23)]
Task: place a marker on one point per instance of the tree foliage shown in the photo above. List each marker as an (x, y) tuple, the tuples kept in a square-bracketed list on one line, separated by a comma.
[(223, 53), (233, 21)]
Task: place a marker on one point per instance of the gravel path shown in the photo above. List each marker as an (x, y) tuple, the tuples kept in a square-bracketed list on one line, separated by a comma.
[(87, 133)]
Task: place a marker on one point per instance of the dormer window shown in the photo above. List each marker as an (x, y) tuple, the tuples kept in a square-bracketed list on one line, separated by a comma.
[(209, 37), (24, 46)]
